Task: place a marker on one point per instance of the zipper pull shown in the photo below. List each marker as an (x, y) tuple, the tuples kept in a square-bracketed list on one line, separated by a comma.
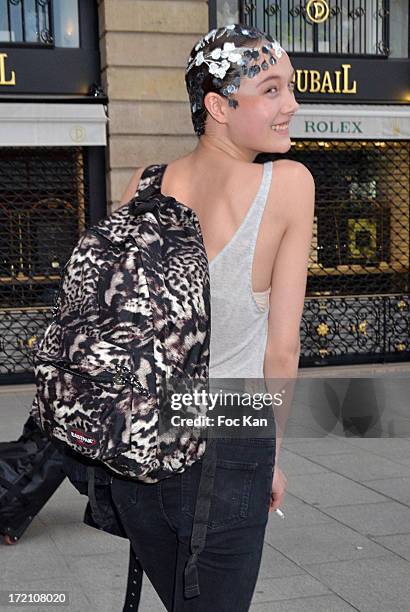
[(123, 375)]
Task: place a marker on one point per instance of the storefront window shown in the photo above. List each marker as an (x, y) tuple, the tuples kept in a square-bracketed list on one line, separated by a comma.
[(25, 22), (357, 297), (399, 28), (227, 12), (368, 27), (43, 22), (44, 206), (362, 216), (66, 23)]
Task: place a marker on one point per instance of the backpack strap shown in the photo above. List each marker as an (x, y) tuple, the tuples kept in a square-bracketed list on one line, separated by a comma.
[(201, 516), (96, 515), (151, 179), (148, 186), (134, 583)]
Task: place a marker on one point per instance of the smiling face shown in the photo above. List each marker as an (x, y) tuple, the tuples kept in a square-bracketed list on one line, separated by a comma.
[(264, 103)]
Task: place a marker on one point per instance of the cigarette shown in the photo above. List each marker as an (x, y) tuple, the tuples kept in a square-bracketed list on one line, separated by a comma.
[(280, 513)]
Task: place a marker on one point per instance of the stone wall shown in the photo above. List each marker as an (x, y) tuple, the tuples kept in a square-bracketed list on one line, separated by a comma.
[(144, 47)]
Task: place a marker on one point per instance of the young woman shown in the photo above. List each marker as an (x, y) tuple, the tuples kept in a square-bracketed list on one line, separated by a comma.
[(256, 222)]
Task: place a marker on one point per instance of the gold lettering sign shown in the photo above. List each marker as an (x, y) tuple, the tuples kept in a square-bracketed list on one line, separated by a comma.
[(317, 10), (3, 78), (312, 81)]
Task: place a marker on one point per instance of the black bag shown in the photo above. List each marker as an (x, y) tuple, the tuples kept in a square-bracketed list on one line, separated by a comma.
[(30, 472)]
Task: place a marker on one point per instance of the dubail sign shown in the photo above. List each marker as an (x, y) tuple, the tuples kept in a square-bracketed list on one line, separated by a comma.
[(315, 81)]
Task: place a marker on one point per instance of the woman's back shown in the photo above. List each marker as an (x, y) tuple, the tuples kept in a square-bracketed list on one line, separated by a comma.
[(221, 198), (239, 314), (243, 212)]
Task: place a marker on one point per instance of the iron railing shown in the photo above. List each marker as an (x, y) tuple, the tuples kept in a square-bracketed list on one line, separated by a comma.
[(352, 27), (28, 22)]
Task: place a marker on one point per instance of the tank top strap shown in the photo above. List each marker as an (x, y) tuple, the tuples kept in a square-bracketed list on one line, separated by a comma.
[(151, 178), (262, 195), (241, 245), (251, 224)]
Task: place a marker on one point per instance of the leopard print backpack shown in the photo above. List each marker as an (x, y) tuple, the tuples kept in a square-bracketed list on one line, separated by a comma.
[(133, 310)]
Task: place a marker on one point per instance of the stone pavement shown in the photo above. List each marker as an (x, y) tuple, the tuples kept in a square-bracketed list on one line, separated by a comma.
[(344, 543)]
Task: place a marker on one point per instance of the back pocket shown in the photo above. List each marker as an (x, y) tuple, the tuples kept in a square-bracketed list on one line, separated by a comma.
[(231, 492)]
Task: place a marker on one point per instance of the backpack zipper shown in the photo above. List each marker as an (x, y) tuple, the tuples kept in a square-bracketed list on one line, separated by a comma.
[(124, 374), (121, 376)]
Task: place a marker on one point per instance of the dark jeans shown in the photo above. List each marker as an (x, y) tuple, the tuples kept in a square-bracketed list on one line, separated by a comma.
[(158, 521)]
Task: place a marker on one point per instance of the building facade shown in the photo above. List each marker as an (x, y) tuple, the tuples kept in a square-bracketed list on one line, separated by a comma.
[(144, 48), (52, 159), (352, 131), (91, 90)]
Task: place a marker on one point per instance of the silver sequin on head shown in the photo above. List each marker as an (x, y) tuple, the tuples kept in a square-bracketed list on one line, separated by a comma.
[(209, 59)]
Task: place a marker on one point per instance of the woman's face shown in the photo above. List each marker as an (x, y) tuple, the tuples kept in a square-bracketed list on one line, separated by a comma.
[(265, 101)]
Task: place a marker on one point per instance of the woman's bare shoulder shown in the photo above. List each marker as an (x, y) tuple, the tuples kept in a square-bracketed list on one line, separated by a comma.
[(292, 188), (290, 169)]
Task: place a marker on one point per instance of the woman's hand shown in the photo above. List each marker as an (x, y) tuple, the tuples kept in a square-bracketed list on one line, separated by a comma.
[(279, 483)]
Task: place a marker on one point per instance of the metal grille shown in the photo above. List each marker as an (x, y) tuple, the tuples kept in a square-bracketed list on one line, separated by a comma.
[(43, 206), (26, 21), (351, 28), (357, 302)]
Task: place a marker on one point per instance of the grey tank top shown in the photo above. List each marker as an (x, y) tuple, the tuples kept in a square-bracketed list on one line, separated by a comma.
[(238, 324), (239, 316)]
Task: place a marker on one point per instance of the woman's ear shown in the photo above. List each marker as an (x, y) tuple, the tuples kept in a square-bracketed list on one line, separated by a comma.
[(216, 105)]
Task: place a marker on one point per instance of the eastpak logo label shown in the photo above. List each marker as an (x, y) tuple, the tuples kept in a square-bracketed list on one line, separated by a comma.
[(82, 437)]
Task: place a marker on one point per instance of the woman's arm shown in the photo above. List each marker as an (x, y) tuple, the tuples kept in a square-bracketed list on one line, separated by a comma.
[(294, 192)]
